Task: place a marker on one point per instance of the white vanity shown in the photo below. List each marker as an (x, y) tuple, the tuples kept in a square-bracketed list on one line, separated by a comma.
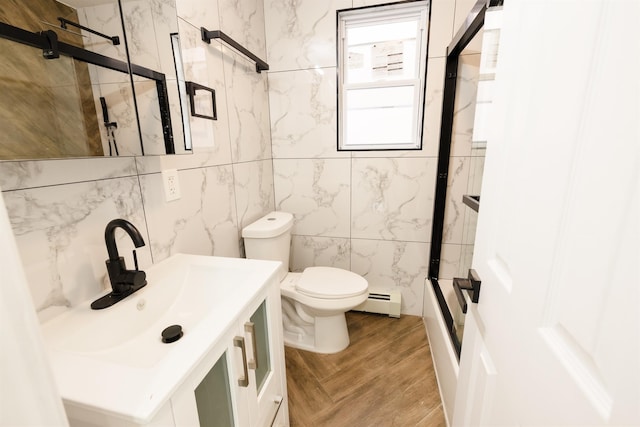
[(227, 369)]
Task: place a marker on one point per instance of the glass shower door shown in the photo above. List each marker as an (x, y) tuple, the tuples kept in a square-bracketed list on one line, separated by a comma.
[(463, 142)]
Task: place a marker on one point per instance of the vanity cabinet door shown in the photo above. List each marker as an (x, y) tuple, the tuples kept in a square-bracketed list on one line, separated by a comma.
[(241, 382), (213, 396), (262, 327)]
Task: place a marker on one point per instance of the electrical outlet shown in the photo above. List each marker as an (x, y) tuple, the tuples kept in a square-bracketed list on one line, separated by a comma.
[(171, 184)]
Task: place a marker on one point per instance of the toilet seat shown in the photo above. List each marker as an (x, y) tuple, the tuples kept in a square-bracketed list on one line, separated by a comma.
[(330, 283)]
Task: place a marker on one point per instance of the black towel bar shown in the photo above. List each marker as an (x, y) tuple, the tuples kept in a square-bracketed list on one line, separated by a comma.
[(217, 34), (64, 22)]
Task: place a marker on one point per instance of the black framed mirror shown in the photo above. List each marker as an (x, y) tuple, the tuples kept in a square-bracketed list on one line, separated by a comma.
[(72, 88)]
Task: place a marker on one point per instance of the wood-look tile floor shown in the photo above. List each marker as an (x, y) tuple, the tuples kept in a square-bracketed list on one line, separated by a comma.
[(384, 378)]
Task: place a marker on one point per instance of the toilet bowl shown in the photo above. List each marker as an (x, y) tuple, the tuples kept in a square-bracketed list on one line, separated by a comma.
[(320, 296), (314, 301)]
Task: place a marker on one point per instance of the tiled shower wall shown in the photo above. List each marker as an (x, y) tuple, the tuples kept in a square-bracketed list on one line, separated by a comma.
[(369, 212), (59, 208)]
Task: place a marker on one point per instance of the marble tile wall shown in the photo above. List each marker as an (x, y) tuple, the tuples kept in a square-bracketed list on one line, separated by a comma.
[(59, 208), (370, 212)]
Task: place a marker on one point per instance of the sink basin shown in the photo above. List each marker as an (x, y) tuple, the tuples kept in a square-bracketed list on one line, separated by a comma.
[(95, 352), (181, 291)]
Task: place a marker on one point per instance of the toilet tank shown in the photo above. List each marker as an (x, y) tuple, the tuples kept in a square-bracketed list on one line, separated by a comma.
[(269, 238)]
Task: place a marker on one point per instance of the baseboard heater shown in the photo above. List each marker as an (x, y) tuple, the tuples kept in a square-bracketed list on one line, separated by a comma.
[(383, 303)]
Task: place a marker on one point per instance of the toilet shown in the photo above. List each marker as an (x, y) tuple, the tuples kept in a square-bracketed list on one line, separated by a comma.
[(314, 302)]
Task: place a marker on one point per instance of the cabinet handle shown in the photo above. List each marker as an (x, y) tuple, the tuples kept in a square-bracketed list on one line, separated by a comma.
[(243, 381), (250, 328)]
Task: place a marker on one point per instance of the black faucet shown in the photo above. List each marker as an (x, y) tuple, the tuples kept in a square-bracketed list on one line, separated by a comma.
[(123, 282)]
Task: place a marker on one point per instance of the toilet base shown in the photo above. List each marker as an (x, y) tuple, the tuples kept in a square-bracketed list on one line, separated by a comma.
[(328, 334)]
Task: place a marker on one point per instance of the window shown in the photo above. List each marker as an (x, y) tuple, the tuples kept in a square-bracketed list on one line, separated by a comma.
[(381, 76)]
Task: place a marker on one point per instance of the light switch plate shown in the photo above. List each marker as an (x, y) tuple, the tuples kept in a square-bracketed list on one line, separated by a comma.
[(171, 184)]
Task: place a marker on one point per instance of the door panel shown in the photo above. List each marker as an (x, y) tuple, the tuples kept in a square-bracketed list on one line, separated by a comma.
[(556, 331)]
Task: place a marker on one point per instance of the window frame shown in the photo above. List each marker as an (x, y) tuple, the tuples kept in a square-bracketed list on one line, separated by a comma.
[(420, 11)]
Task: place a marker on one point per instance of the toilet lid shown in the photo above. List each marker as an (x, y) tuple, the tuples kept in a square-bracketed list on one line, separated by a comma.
[(329, 282)]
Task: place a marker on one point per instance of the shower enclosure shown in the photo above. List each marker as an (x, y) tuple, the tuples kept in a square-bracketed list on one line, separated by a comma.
[(471, 60), (470, 68)]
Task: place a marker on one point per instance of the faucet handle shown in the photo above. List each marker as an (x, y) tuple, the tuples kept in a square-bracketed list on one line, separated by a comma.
[(135, 259)]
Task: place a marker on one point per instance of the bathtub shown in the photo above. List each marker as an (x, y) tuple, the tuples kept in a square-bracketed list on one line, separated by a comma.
[(443, 351)]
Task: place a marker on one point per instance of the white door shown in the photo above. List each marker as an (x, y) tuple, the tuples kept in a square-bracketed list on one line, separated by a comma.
[(28, 392), (554, 339)]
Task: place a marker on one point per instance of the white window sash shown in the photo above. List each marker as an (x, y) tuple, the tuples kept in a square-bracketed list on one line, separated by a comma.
[(355, 19)]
